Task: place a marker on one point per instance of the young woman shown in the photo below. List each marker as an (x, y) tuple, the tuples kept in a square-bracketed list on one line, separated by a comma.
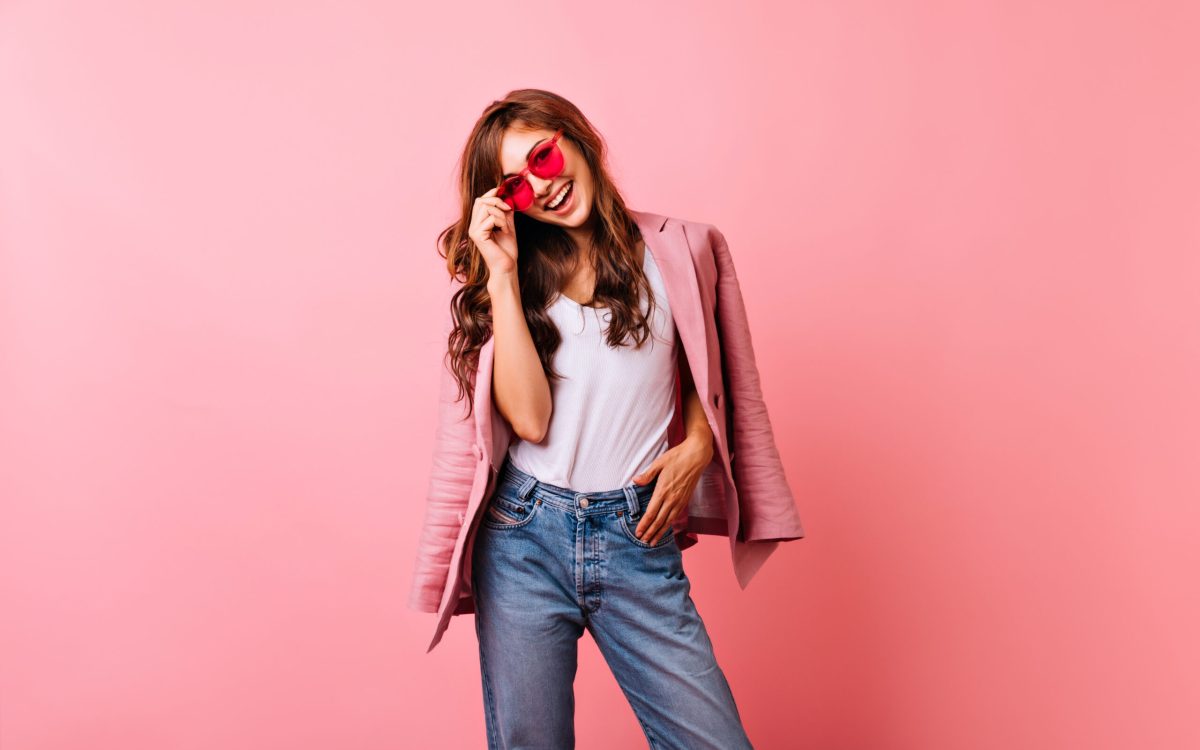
[(593, 445)]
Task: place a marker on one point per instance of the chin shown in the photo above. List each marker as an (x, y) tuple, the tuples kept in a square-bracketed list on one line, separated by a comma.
[(579, 219)]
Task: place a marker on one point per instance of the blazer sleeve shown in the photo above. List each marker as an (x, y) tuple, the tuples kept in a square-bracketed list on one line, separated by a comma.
[(767, 508), (449, 489)]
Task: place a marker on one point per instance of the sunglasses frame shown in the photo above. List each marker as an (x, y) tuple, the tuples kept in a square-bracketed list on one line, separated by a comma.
[(518, 178)]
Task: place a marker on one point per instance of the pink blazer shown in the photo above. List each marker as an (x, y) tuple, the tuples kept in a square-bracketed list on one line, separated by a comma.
[(743, 494)]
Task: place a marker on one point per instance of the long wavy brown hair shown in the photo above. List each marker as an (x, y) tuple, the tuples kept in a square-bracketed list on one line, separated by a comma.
[(547, 254)]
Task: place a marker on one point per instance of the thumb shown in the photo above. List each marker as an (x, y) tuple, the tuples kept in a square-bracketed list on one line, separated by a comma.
[(648, 474)]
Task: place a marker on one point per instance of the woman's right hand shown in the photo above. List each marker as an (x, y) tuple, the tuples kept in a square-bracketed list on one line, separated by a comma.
[(494, 231)]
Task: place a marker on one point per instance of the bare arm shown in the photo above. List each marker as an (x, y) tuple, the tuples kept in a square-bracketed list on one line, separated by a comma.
[(520, 389), (695, 423)]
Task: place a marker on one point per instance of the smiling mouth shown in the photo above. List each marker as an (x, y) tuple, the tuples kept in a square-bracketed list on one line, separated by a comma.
[(565, 199)]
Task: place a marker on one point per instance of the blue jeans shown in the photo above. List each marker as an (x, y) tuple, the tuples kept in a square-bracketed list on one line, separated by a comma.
[(549, 562)]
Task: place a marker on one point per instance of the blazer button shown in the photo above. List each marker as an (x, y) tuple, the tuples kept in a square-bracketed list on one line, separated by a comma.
[(477, 451), (717, 399)]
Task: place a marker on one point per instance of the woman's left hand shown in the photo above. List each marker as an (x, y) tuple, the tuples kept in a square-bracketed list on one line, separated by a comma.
[(678, 471)]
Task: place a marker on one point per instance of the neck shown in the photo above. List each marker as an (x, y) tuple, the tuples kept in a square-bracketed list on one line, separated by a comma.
[(582, 236)]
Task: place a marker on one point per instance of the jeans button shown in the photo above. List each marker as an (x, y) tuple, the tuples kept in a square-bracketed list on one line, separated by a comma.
[(583, 502)]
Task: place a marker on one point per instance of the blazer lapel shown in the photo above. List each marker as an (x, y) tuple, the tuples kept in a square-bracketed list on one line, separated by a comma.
[(672, 254)]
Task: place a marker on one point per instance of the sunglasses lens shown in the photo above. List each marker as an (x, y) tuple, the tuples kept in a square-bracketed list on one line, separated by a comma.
[(547, 161), (516, 192)]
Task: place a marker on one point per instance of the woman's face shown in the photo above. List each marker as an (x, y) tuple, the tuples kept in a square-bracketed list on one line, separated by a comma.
[(573, 211)]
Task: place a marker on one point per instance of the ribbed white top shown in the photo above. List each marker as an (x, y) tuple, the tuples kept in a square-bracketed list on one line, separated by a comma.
[(612, 408)]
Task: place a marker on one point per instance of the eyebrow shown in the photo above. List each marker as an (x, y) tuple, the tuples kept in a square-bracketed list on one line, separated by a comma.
[(531, 148)]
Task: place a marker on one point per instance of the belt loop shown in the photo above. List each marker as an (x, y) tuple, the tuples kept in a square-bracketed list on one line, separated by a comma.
[(631, 500), (527, 487)]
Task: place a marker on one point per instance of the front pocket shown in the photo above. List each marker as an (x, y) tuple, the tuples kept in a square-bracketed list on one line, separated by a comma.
[(629, 526), (504, 513)]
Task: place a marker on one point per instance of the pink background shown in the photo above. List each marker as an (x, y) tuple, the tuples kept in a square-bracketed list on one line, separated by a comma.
[(969, 238)]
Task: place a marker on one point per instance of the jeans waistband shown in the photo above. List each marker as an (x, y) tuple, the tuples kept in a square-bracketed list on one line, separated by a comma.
[(632, 497)]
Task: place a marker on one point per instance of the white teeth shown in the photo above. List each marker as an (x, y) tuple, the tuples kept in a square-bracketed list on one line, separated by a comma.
[(559, 198)]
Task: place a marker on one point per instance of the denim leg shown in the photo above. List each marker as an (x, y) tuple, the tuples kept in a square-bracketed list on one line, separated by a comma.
[(528, 625), (549, 562), (655, 642)]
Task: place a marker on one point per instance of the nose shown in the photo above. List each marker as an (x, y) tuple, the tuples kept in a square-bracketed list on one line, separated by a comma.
[(541, 186)]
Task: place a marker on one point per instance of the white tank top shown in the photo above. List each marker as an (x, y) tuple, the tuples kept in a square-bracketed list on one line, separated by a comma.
[(614, 404)]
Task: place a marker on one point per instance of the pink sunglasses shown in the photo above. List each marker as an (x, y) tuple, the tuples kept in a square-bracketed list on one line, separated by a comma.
[(546, 161)]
